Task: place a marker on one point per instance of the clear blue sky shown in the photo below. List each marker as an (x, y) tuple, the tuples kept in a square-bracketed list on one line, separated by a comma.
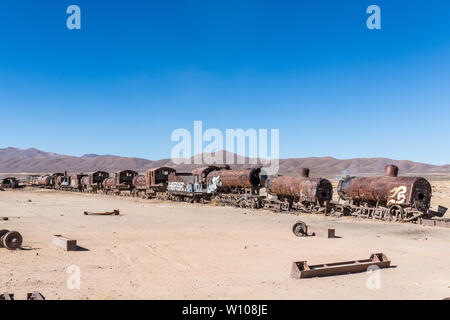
[(137, 70)]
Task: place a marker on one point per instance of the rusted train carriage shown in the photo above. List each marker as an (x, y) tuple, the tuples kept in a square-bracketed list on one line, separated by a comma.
[(301, 193), (154, 183), (75, 182), (389, 197), (94, 181), (237, 187), (122, 183), (192, 186)]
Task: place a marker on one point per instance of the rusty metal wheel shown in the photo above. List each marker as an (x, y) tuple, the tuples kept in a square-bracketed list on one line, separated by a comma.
[(397, 213), (2, 233), (300, 229), (12, 240)]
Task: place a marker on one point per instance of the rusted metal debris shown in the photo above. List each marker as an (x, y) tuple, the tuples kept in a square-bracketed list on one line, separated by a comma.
[(10, 183), (107, 213), (300, 229), (4, 218), (7, 296), (445, 223), (35, 295), (64, 243), (301, 269), (10, 240)]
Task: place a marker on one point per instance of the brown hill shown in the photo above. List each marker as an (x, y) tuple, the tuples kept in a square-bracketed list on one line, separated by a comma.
[(13, 160)]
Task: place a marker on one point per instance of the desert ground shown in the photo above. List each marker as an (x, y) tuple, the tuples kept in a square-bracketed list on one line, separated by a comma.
[(165, 250)]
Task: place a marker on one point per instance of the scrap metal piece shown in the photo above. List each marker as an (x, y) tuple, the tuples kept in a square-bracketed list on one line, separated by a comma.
[(4, 218), (301, 269), (65, 243), (12, 240), (300, 229), (7, 296), (35, 295), (111, 213)]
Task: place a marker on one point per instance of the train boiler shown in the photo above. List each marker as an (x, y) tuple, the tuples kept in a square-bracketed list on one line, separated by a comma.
[(237, 187), (301, 193), (389, 197)]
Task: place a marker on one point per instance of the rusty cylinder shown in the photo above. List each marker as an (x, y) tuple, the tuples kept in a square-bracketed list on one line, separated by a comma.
[(304, 172), (109, 183), (139, 181), (391, 171)]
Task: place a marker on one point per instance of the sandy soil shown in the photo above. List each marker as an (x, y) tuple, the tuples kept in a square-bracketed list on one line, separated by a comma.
[(162, 250)]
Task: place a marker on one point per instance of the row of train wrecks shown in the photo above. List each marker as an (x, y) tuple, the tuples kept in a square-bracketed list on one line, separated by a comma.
[(388, 197)]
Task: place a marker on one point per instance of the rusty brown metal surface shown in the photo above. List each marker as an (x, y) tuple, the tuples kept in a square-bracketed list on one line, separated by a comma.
[(203, 172), (301, 229), (98, 177), (139, 181), (304, 172), (59, 180), (125, 177), (387, 190), (64, 242), (75, 180), (301, 269), (44, 180), (391, 171), (182, 177), (10, 240), (248, 178), (158, 176), (303, 189), (107, 213), (109, 183), (85, 181)]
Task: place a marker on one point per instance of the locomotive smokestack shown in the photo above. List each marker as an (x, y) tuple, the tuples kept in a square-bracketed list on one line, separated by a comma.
[(391, 171), (304, 172)]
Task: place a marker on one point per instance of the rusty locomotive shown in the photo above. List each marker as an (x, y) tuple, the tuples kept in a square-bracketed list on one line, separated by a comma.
[(388, 197)]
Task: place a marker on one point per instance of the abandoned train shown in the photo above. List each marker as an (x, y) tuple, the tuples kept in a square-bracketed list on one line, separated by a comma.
[(388, 197)]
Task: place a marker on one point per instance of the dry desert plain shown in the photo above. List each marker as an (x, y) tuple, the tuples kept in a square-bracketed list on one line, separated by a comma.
[(165, 250)]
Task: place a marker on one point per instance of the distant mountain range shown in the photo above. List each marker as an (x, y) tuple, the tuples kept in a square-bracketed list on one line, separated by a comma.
[(13, 160)]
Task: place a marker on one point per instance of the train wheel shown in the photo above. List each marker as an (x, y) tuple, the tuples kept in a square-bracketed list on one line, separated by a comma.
[(397, 213), (2, 233), (12, 240), (300, 229)]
